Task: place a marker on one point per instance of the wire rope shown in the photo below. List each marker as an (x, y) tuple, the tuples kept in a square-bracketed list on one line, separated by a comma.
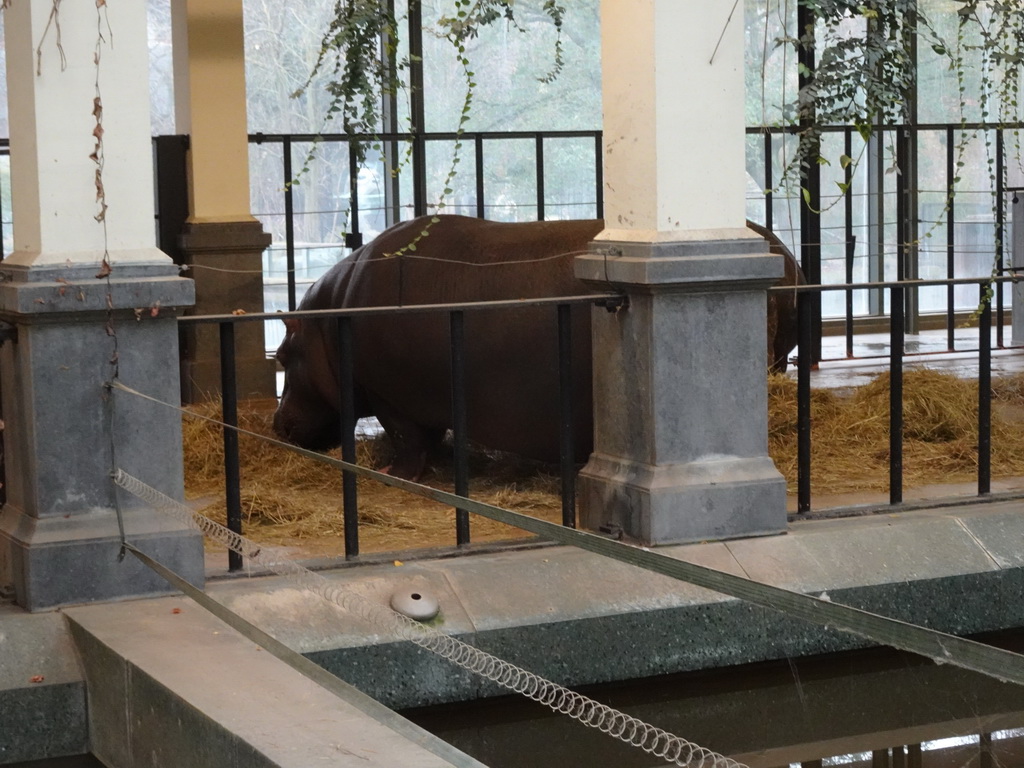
[(630, 730)]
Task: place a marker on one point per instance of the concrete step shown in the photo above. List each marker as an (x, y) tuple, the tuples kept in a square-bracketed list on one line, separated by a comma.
[(171, 685)]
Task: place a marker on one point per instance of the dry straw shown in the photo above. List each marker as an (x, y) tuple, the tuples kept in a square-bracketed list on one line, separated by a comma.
[(290, 500)]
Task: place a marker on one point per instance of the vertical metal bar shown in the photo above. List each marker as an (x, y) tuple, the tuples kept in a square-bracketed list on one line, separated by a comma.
[(896, 339), (478, 146), (229, 415), (876, 218), (985, 393), (289, 221), (390, 125), (566, 423), (851, 243), (804, 307), (901, 204), (417, 109), (419, 175), (1000, 235), (810, 178), (539, 157), (347, 413), (914, 756), (459, 436), (5, 152), (769, 182), (354, 238), (985, 757), (599, 173), (950, 239)]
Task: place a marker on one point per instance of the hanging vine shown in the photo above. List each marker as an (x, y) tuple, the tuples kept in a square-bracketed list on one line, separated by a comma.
[(865, 72), (358, 51)]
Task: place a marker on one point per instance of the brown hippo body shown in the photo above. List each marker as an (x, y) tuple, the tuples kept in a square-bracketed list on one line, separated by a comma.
[(402, 364)]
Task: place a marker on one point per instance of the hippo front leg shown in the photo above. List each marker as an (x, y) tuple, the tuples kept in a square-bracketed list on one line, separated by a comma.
[(411, 442)]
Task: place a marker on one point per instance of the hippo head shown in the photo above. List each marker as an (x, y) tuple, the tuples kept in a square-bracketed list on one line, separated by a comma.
[(307, 415)]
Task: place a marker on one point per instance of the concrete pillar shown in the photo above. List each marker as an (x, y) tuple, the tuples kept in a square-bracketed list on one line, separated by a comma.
[(221, 241), (680, 392), (64, 431)]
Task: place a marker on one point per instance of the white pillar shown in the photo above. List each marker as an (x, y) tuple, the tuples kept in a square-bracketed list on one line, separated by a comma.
[(673, 119), (680, 387), (53, 178), (221, 240), (210, 106), (59, 533)]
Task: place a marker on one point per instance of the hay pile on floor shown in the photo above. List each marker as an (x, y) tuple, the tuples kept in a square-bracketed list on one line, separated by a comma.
[(850, 432), (288, 499)]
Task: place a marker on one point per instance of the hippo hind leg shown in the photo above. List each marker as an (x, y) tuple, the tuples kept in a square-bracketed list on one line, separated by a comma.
[(410, 441)]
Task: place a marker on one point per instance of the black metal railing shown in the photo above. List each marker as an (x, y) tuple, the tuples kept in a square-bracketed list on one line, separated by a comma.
[(897, 355), (414, 201), (882, 224), (885, 226), (568, 466), (561, 324)]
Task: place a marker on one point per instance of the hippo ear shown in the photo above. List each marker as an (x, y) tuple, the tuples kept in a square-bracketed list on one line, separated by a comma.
[(291, 324)]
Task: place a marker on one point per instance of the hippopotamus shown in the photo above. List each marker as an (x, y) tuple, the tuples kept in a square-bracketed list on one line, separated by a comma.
[(401, 362)]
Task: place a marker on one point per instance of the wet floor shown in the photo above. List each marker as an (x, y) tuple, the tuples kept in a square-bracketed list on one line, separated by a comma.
[(928, 349), (875, 708)]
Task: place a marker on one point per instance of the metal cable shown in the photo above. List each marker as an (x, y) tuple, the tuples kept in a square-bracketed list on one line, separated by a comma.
[(655, 741)]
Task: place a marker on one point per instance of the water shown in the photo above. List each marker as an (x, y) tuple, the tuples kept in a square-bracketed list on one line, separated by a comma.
[(875, 708)]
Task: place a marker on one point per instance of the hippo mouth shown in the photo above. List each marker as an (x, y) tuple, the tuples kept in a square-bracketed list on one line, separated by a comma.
[(322, 436)]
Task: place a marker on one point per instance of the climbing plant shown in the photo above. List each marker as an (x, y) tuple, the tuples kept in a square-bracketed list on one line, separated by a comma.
[(865, 70), (359, 51)]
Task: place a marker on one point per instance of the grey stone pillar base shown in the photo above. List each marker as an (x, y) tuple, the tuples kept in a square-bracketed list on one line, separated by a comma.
[(65, 430), (62, 561), (698, 501), (226, 262), (680, 391)]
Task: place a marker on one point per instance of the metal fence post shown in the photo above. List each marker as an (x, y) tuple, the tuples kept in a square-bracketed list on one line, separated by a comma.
[(896, 332), (566, 422), (804, 308), (229, 415), (985, 392), (461, 440), (347, 413)]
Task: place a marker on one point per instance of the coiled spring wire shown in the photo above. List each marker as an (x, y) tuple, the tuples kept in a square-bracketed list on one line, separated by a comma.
[(619, 725)]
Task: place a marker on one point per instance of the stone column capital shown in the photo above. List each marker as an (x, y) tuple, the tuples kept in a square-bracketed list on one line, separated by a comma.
[(222, 237), (739, 260), (27, 293)]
